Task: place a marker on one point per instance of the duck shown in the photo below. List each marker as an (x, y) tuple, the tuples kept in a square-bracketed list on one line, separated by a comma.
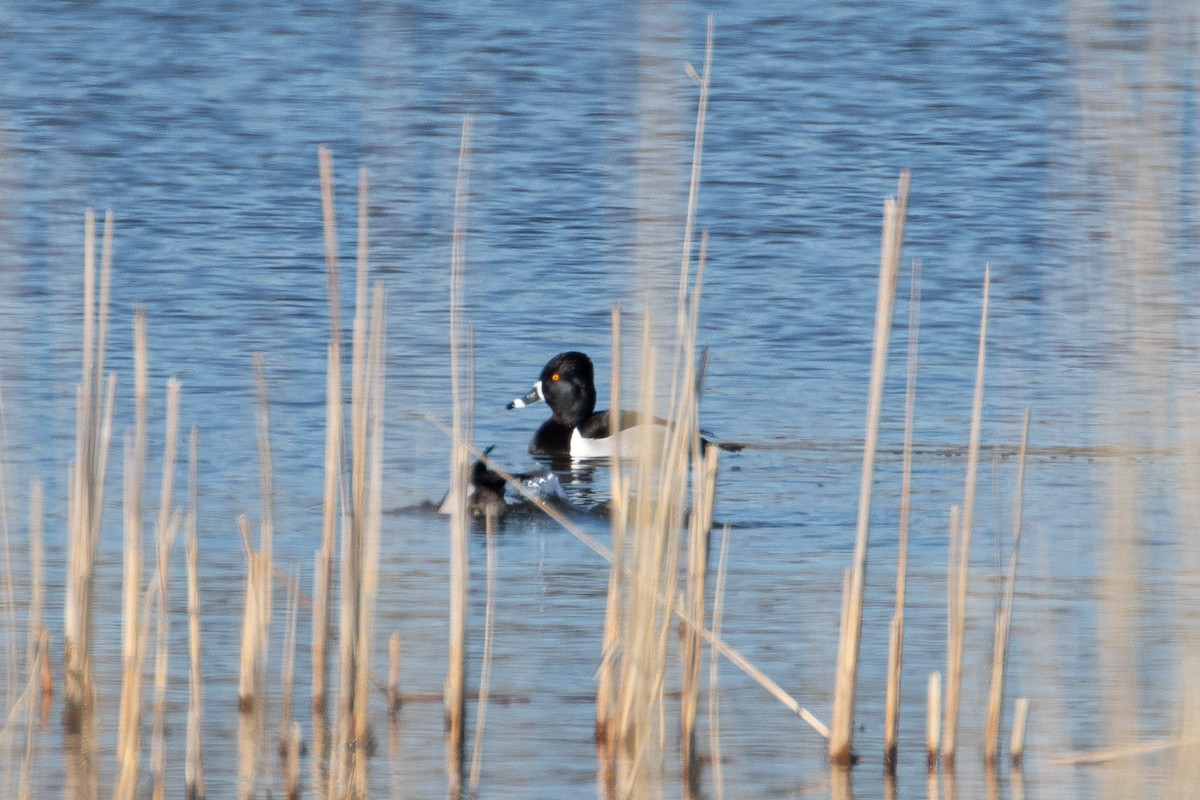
[(488, 496), (567, 384)]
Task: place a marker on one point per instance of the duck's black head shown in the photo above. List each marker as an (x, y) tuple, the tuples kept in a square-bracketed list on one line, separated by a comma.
[(568, 386)]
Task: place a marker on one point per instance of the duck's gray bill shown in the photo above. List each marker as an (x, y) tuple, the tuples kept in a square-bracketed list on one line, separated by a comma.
[(534, 396)]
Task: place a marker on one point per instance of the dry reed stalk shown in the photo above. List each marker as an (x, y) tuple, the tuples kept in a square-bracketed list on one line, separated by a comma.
[(323, 571), (1016, 748), (26, 704), (323, 560), (36, 654), (288, 672), (605, 679), (194, 758), (327, 782), (362, 510), (933, 718), (85, 493), (703, 82), (485, 668), (954, 664), (714, 717), (394, 700), (842, 730), (14, 703), (158, 753), (370, 526), (329, 222), (168, 525), (954, 616), (891, 726), (991, 730), (129, 724), (704, 485), (454, 691)]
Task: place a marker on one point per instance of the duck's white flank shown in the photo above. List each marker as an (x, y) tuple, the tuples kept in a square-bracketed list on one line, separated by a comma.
[(631, 439)]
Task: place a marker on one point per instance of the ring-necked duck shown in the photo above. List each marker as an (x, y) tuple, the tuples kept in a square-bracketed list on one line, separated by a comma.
[(567, 384)]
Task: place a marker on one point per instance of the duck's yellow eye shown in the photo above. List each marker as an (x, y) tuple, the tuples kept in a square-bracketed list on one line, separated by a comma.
[(554, 377)]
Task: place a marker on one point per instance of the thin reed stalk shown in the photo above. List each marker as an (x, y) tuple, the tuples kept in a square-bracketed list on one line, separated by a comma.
[(158, 752), (714, 693), (323, 564), (287, 675), (485, 668), (454, 692), (954, 610), (129, 724), (36, 655), (991, 730), (842, 730), (704, 485), (168, 525), (891, 726), (954, 656), (605, 677), (10, 659), (323, 568), (370, 526), (194, 759)]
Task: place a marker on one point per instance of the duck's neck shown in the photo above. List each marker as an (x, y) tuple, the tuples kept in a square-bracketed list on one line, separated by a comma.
[(574, 413)]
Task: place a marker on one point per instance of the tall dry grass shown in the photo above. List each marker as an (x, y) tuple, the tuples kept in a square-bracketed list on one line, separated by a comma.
[(360, 514), (85, 493)]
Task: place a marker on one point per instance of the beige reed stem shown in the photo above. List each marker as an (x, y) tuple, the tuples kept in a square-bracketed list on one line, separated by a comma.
[(842, 730), (954, 656)]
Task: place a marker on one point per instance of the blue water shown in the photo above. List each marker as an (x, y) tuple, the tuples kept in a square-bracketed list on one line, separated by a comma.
[(1057, 143)]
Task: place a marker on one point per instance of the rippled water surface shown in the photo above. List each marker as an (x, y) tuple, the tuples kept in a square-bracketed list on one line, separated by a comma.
[(1057, 143)]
